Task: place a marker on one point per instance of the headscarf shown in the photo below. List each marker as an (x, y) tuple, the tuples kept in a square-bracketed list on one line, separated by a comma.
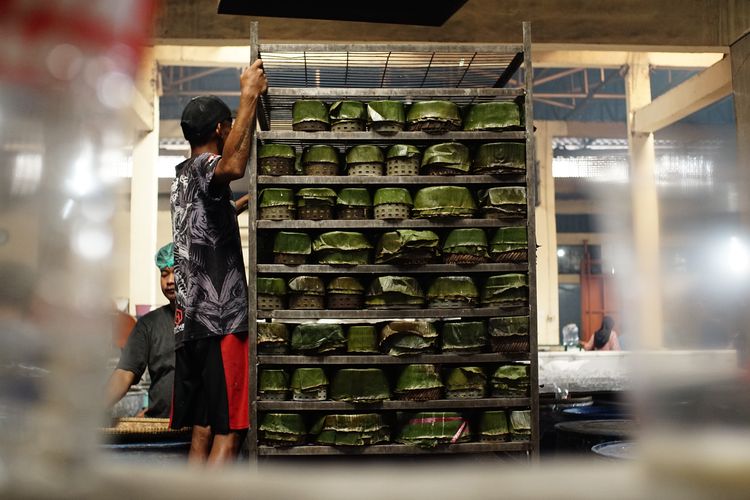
[(165, 257)]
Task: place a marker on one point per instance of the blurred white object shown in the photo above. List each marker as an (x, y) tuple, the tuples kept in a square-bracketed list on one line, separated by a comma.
[(570, 335)]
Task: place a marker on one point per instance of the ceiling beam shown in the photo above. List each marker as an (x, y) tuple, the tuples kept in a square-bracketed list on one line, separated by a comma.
[(704, 89)]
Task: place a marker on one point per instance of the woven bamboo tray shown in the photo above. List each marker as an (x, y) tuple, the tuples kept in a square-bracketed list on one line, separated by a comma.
[(402, 166), (276, 166), (353, 213), (513, 256), (432, 126), (345, 301), (270, 302), (304, 301), (277, 213), (420, 394), (315, 213), (290, 259), (514, 343), (321, 169), (366, 169), (387, 128), (463, 258), (392, 211), (348, 126), (310, 126), (144, 429)]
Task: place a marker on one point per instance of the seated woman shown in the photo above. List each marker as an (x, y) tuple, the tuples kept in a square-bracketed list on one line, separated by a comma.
[(604, 339)]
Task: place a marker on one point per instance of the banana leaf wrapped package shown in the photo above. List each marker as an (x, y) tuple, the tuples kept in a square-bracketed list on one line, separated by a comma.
[(342, 248), (386, 117), (405, 338), (282, 429), (419, 382), (360, 385), (497, 115), (317, 338), (320, 159), (510, 244), (392, 203), (493, 426), (365, 159), (466, 382), (444, 201), (353, 204), (520, 425), (465, 246), (500, 202), (306, 292), (510, 381), (500, 158), (273, 338), (271, 293), (394, 292), (315, 203), (506, 290), (276, 159), (464, 337), (273, 385), (452, 291), (430, 429), (449, 158), (310, 116), (347, 116), (362, 339), (276, 204), (309, 384), (345, 292), (351, 430), (402, 159), (509, 333), (435, 117), (291, 248), (407, 246)]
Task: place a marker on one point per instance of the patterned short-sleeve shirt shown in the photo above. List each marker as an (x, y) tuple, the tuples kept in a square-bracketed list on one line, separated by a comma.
[(209, 268)]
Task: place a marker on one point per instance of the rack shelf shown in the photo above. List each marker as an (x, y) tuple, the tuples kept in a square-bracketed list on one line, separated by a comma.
[(396, 449), (381, 359), (384, 314), (386, 268)]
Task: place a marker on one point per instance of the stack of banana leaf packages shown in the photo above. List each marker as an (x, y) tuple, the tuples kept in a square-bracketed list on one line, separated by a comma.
[(452, 292), (464, 337), (503, 202), (276, 204), (419, 382), (434, 117), (402, 159), (465, 246), (320, 159), (353, 204), (342, 248), (306, 292), (273, 338), (466, 382), (362, 339), (291, 248), (271, 293), (386, 117), (444, 201), (276, 159), (309, 384), (282, 429), (345, 292), (310, 116), (360, 385), (520, 425), (317, 338), (498, 115), (509, 334), (510, 244), (315, 203), (392, 203), (506, 290), (430, 429), (493, 426), (347, 116), (449, 158), (500, 158), (351, 430), (394, 292), (407, 246), (510, 381), (407, 338), (365, 159), (273, 385)]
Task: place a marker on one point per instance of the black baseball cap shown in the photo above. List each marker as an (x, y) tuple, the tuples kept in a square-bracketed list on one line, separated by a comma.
[(201, 115)]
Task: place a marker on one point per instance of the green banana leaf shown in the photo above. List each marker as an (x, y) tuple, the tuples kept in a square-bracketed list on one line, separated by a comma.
[(364, 153), (309, 110), (273, 333), (320, 153), (283, 423), (507, 373), (453, 287), (500, 157), (351, 430), (403, 338), (463, 335), (434, 110), (466, 377), (292, 243), (429, 429), (520, 422), (341, 240), (510, 200), (466, 241), (310, 285), (453, 155), (308, 379), (354, 197), (345, 285), (394, 244), (402, 151), (392, 195), (317, 337), (444, 201), (493, 116), (344, 257), (339, 438), (276, 197), (322, 195), (347, 111), (494, 423), (507, 239), (508, 326), (273, 380), (506, 288), (398, 285), (362, 338), (418, 376), (360, 385), (386, 111), (276, 151), (271, 286)]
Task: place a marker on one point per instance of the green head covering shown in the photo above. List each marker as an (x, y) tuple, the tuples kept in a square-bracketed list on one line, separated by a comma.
[(165, 256)]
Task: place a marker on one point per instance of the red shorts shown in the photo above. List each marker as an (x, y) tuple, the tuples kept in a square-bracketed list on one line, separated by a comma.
[(211, 384)]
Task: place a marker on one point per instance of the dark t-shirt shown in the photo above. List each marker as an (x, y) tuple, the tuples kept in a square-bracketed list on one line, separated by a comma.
[(152, 344), (209, 268)]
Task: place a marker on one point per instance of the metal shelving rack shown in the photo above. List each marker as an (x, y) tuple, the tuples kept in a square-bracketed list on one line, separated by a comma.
[(463, 73)]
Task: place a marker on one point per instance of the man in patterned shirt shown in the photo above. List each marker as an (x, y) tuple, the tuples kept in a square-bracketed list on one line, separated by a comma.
[(211, 350)]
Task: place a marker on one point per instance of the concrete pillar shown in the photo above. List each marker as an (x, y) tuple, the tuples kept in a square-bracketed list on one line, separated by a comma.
[(643, 301)]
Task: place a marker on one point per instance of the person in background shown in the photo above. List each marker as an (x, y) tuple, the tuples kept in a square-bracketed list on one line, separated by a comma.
[(605, 338), (211, 387), (150, 344)]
